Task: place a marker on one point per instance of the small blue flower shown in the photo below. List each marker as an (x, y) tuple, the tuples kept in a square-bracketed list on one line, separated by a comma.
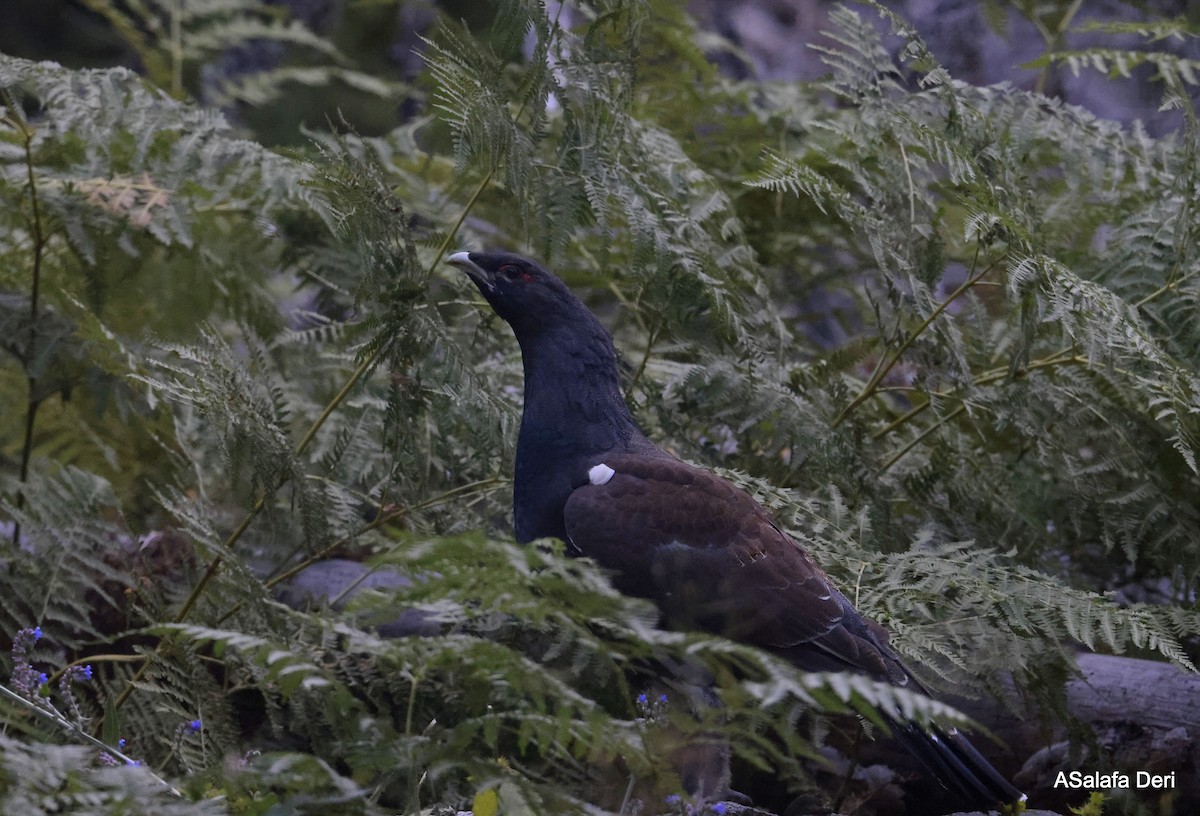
[(195, 725), (121, 743), (42, 679), (719, 809), (642, 699), (662, 698), (674, 799), (75, 674), (23, 639)]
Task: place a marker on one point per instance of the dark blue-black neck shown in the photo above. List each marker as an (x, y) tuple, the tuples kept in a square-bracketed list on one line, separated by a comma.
[(574, 415)]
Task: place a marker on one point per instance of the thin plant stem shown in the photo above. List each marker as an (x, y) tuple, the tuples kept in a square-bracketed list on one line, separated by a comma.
[(33, 401), (97, 658), (912, 190), (177, 49), (900, 454), (52, 714), (882, 370), (1052, 39), (1162, 290), (379, 521), (413, 805), (855, 752), (988, 377), (1054, 360), (641, 369), (902, 419)]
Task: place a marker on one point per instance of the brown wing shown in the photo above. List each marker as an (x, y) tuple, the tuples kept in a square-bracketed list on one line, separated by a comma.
[(713, 559)]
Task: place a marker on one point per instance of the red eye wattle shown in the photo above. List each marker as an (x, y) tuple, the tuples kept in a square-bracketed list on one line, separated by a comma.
[(514, 273)]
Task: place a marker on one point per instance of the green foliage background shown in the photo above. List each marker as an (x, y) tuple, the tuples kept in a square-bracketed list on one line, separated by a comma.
[(948, 334)]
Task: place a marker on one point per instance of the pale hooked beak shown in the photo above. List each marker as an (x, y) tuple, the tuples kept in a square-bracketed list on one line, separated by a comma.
[(463, 261)]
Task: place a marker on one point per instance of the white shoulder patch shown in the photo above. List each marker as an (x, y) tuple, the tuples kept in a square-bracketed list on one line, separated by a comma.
[(600, 474)]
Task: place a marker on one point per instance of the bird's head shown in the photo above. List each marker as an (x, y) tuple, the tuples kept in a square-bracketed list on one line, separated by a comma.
[(528, 297)]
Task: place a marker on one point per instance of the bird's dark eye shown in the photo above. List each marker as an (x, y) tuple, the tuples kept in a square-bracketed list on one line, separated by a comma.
[(510, 272)]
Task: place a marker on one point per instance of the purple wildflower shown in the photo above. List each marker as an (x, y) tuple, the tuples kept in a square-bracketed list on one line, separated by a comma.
[(75, 674), (71, 675), (25, 681)]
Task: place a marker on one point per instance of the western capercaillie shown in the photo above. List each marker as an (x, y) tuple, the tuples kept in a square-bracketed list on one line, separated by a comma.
[(703, 549)]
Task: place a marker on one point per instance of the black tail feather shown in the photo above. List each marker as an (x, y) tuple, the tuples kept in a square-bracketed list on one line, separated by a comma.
[(959, 766), (992, 778)]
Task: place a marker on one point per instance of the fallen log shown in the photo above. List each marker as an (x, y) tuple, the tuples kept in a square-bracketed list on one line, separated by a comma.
[(1144, 719)]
